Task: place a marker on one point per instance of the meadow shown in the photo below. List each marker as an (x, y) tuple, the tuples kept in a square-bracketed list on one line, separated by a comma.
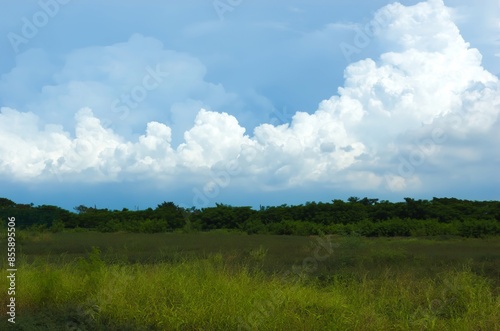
[(227, 280)]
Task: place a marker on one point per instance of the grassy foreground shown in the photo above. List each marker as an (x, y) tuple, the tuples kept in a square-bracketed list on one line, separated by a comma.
[(232, 281)]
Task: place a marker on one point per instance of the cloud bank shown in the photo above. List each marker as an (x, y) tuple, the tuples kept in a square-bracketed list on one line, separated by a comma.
[(421, 111)]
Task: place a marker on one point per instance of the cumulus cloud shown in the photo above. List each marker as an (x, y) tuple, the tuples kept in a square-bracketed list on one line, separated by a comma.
[(126, 85), (399, 121), (215, 137)]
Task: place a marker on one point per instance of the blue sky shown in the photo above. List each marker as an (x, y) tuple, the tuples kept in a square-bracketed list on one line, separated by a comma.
[(128, 104)]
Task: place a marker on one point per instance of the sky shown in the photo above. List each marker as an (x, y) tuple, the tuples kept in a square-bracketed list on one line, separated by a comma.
[(126, 104)]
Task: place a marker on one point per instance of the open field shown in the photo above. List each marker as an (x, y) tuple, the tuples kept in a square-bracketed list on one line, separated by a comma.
[(231, 281)]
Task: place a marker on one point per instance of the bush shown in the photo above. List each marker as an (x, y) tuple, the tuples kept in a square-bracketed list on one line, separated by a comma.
[(254, 227), (297, 228), (57, 226), (478, 228), (152, 226), (37, 228), (109, 226)]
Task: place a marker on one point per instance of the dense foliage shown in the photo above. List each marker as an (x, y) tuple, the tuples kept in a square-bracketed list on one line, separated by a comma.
[(367, 217)]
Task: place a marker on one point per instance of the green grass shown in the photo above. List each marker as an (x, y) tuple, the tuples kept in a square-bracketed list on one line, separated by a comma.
[(217, 281)]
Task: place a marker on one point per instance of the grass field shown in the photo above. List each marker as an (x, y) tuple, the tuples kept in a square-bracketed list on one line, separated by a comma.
[(231, 281)]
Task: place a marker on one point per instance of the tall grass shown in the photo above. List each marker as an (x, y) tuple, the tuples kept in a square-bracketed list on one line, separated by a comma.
[(213, 293)]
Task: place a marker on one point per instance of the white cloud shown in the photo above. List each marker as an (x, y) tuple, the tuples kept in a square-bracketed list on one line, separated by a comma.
[(215, 137), (126, 85), (399, 121)]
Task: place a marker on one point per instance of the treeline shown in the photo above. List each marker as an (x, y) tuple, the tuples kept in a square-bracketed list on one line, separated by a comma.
[(366, 217)]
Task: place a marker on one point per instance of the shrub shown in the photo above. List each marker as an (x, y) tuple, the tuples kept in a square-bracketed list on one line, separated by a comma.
[(254, 227), (57, 226), (109, 226)]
